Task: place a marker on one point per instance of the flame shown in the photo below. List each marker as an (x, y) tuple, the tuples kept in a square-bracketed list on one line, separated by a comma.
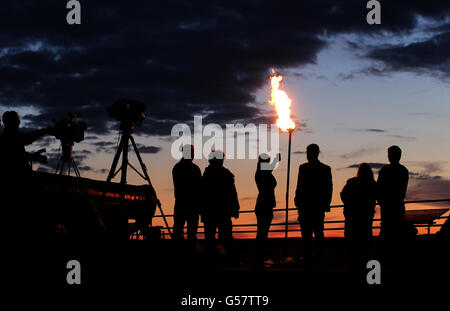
[(282, 103)]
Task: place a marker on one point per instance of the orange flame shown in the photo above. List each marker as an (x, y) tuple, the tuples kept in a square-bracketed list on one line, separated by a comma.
[(282, 103)]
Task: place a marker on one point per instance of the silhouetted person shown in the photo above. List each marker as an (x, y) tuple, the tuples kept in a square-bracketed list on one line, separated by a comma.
[(187, 179), (313, 198), (220, 199), (14, 160), (23, 220), (392, 186), (445, 230), (359, 198), (15, 168), (265, 202)]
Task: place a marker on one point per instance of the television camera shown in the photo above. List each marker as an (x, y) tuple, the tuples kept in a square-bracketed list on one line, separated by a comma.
[(68, 131), (129, 112)]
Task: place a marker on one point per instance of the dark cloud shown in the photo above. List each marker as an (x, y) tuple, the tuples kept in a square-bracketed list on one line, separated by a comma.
[(375, 130), (181, 57), (423, 176), (403, 137), (104, 146), (102, 170), (429, 56), (428, 188), (85, 168), (373, 165), (360, 152), (366, 130), (148, 149)]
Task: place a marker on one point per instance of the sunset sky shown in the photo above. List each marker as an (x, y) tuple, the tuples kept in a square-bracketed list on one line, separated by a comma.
[(356, 88)]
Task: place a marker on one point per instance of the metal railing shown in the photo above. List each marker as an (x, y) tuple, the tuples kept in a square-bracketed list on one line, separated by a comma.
[(296, 224)]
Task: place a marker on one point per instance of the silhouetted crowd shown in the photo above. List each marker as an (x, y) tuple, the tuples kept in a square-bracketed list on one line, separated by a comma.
[(212, 197), (313, 195)]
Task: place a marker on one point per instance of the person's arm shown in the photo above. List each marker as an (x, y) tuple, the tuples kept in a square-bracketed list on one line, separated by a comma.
[(344, 193), (329, 189), (203, 197), (380, 187), (29, 138), (175, 181), (198, 190), (298, 195), (405, 183), (346, 196), (235, 202), (258, 182)]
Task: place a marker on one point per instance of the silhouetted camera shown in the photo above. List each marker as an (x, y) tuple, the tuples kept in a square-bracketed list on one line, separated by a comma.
[(127, 111), (67, 130)]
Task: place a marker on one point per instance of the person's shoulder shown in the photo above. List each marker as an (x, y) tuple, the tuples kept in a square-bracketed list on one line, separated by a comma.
[(304, 166), (385, 168), (353, 180), (228, 173), (206, 171), (196, 168), (322, 167), (325, 166), (176, 166), (403, 168)]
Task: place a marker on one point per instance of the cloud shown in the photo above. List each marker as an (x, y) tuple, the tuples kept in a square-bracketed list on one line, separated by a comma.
[(422, 176), (375, 130), (430, 56), (360, 152), (367, 130), (85, 168), (182, 58), (104, 146), (374, 165), (428, 188), (403, 137), (148, 149)]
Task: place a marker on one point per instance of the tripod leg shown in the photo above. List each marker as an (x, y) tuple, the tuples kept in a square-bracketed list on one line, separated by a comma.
[(144, 169), (124, 167), (59, 164), (62, 167), (116, 159), (68, 169), (75, 168), (138, 155)]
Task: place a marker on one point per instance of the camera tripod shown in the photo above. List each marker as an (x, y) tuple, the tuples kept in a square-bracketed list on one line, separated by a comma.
[(127, 132), (67, 157)]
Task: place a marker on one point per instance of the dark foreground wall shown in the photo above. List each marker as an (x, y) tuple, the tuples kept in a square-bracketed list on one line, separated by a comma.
[(169, 270)]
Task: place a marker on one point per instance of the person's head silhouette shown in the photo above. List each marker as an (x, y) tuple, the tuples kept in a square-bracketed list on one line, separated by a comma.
[(365, 172), (216, 158), (188, 152), (11, 120), (312, 152), (394, 154)]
